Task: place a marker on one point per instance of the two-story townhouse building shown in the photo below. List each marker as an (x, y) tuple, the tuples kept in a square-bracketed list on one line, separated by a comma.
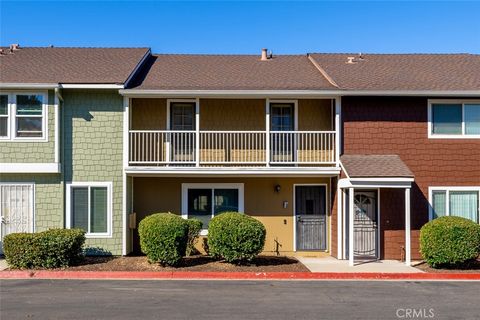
[(297, 141), (61, 140)]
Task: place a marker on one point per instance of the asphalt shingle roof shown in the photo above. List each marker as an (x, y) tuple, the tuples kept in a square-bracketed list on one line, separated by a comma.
[(232, 72), (375, 166), (69, 65), (403, 71)]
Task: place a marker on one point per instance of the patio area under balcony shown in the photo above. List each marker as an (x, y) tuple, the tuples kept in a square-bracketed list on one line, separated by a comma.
[(186, 133)]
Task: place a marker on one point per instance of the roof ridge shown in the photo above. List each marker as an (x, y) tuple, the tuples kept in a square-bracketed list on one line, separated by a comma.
[(395, 54), (224, 54), (57, 47), (323, 72)]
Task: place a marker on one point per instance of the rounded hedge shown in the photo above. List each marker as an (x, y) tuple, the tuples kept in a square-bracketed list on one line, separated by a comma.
[(54, 248), (449, 241), (235, 237), (163, 238), (194, 228)]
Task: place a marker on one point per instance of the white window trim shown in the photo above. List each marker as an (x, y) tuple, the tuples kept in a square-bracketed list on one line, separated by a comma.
[(68, 215), (295, 110), (169, 108), (447, 190), (6, 116), (32, 201), (463, 102), (187, 186), (12, 117)]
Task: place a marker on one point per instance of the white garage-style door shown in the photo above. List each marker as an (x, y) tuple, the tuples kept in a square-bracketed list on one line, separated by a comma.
[(16, 209)]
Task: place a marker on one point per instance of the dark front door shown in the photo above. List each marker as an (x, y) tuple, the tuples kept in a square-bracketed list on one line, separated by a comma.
[(310, 215), (365, 224)]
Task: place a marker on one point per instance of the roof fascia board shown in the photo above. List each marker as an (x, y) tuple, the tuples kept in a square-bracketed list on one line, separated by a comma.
[(137, 67), (228, 93), (90, 86), (29, 85), (294, 93)]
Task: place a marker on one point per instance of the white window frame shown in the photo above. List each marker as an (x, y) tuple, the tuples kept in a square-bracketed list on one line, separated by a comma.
[(32, 202), (212, 186), (295, 111), (169, 110), (7, 137), (12, 117), (463, 102), (89, 185), (447, 191)]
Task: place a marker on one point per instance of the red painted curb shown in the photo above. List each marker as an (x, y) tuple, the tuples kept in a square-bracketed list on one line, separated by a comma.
[(192, 275)]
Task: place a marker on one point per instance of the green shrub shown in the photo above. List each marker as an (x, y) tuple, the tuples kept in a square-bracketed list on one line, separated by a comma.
[(61, 247), (163, 238), (235, 237), (54, 248), (194, 228), (449, 241)]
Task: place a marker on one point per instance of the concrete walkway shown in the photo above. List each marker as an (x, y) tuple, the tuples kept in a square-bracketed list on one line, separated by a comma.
[(330, 264)]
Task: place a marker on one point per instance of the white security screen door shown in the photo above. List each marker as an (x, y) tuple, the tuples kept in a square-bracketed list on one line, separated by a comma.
[(16, 209)]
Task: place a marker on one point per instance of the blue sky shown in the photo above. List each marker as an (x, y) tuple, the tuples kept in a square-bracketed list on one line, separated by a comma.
[(245, 27)]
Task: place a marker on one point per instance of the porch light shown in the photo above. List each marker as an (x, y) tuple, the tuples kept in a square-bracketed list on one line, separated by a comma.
[(278, 188)]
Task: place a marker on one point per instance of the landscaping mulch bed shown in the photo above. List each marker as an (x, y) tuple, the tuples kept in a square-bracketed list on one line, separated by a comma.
[(473, 267), (193, 263)]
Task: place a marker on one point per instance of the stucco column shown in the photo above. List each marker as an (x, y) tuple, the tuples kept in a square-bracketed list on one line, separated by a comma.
[(351, 216), (407, 228)]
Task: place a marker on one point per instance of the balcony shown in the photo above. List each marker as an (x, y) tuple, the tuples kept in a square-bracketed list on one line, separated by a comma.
[(176, 135), (231, 148)]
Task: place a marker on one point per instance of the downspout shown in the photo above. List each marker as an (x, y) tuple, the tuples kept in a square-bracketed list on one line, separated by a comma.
[(59, 152)]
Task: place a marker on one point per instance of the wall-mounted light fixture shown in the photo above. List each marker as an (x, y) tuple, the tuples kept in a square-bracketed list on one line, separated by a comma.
[(278, 188)]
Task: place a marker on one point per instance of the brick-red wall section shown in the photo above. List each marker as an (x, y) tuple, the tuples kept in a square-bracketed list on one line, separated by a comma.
[(398, 125)]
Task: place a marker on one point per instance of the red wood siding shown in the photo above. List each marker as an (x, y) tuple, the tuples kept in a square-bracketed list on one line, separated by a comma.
[(398, 125)]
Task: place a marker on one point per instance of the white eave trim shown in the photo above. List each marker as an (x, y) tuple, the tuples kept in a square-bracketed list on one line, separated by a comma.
[(29, 85), (295, 93), (227, 93), (231, 172), (30, 168), (375, 183), (90, 86)]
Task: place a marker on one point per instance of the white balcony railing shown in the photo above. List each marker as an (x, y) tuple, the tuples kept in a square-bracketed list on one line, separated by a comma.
[(147, 147)]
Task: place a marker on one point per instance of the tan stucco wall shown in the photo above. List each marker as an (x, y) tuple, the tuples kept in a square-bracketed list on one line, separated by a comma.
[(148, 114), (230, 114), (315, 115), (153, 195)]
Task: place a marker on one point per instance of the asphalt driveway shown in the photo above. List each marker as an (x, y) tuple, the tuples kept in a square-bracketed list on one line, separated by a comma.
[(78, 299)]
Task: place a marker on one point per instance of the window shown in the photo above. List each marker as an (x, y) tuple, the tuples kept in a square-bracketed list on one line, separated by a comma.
[(455, 201), (204, 201), (29, 116), (89, 208), (23, 116), (282, 116), (454, 119), (4, 116), (182, 115)]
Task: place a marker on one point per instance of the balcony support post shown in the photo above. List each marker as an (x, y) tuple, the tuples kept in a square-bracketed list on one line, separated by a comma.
[(338, 119), (267, 129), (197, 132)]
